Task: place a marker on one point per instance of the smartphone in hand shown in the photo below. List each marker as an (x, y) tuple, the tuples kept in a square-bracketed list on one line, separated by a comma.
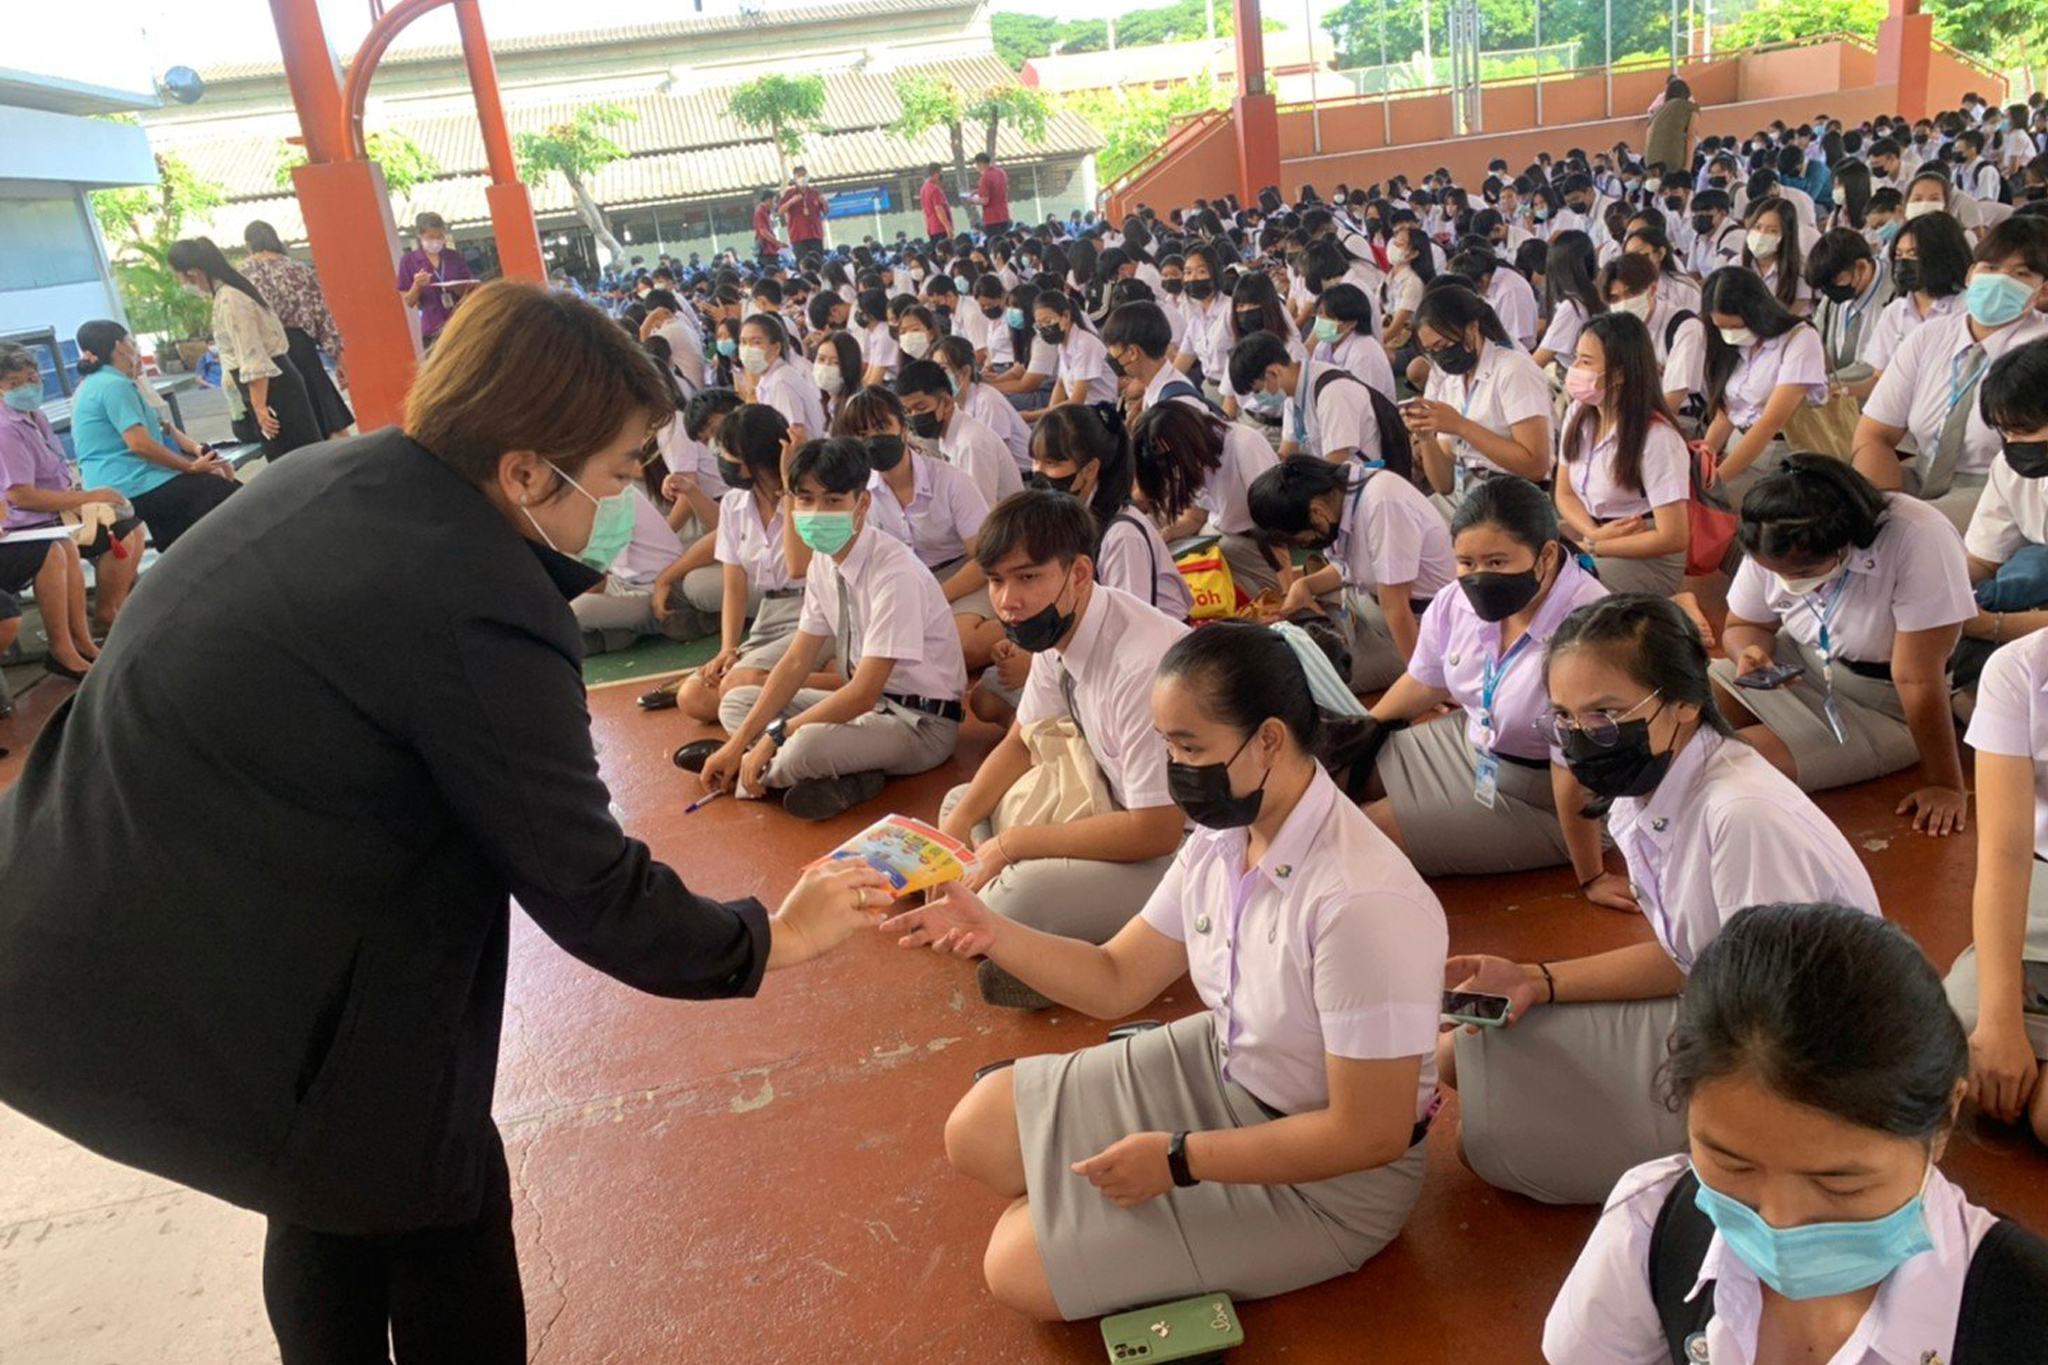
[(1476, 1007), (1768, 679)]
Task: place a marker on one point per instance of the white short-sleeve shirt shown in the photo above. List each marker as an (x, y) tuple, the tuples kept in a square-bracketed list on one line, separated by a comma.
[(750, 544), (1605, 1315), (1927, 378), (1912, 577), (1084, 360), (2012, 716), (1503, 389), (1900, 319), (1684, 361), (968, 444), (995, 411), (793, 393), (1339, 417), (1665, 473), (1246, 455), (1363, 355), (945, 510), (1391, 534), (1112, 661), (2012, 512), (1455, 648), (880, 348), (899, 612), (1208, 335), (1722, 831), (1402, 293), (1514, 303), (1135, 558), (1331, 946), (1795, 357), (1561, 338)]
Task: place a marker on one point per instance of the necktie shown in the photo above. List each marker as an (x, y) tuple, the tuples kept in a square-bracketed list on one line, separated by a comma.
[(1964, 373), (1073, 708), (845, 622)]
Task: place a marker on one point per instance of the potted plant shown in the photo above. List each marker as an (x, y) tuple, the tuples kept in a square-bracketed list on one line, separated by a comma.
[(141, 223)]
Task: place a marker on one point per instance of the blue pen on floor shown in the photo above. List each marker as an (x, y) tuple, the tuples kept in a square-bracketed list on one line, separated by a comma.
[(701, 802)]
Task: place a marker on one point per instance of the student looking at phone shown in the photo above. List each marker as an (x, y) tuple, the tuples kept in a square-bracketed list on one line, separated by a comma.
[(1272, 1140), (1866, 592), (1820, 1072), (1561, 1101), (1476, 791), (1486, 408)]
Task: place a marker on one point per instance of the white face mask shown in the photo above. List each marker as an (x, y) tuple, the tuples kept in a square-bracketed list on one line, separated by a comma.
[(1920, 208), (754, 358), (432, 245), (1400, 255), (1737, 336), (1638, 306), (1763, 245), (916, 345), (828, 377), (1800, 587)]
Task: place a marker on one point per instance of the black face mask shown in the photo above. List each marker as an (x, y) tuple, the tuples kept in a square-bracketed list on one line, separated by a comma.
[(1041, 630), (1703, 223), (925, 424), (1454, 359), (1201, 289), (1172, 286), (2029, 459), (1497, 596), (1250, 320), (945, 317), (1906, 272), (992, 313), (1316, 541), (733, 472), (1719, 182), (1202, 791), (1674, 202), (2036, 193), (863, 321), (1626, 768), (1053, 483), (885, 452), (1052, 336), (1839, 293), (1919, 139)]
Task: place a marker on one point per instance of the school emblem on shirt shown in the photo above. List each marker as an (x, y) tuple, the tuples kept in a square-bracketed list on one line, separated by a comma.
[(1696, 1348), (1930, 1358), (1201, 924)]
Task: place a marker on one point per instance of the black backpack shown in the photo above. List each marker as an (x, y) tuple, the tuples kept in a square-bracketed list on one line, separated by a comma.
[(1152, 583), (1181, 388), (2004, 1319), (1396, 452)]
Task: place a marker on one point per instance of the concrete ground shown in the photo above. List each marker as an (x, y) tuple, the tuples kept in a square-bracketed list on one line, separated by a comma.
[(764, 1182)]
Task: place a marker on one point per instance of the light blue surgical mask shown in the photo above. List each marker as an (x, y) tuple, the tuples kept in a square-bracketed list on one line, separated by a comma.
[(960, 282), (1014, 319), (611, 530), (727, 347), (1994, 299), (24, 397), (1820, 1259), (825, 532)]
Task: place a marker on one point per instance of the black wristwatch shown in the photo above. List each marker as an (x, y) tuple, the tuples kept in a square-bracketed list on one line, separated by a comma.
[(1177, 1161), (777, 732)]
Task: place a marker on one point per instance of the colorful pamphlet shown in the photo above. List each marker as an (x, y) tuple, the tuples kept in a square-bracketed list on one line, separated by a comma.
[(913, 855)]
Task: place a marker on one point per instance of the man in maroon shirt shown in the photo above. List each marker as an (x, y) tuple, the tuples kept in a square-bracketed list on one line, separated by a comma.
[(766, 245), (992, 192), (803, 209), (938, 213)]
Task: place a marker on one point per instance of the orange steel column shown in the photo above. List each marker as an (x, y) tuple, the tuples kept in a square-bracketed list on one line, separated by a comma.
[(1905, 56), (1253, 109), (348, 225), (511, 206)]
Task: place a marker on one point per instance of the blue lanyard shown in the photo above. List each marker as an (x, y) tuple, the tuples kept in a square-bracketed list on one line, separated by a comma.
[(1827, 617), (1491, 672), (1959, 387)]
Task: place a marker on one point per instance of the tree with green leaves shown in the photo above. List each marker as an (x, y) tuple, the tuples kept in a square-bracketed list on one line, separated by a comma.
[(1019, 106), (1134, 122), (141, 222), (787, 108), (1777, 21), (932, 102), (578, 148), (406, 164), (1020, 37), (2010, 34)]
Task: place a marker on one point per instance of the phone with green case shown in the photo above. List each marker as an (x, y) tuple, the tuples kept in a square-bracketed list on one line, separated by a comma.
[(1186, 1331)]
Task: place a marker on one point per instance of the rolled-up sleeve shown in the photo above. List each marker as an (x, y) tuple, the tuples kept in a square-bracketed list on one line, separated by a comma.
[(504, 732), (1379, 975), (239, 334)]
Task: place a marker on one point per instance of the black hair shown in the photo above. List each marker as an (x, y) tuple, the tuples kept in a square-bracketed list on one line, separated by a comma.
[(1255, 290), (1346, 303), (867, 412), (1810, 507), (1279, 499), (819, 309), (1253, 356), (1142, 324), (1175, 448), (2023, 236), (1637, 390), (96, 342), (1516, 506), (1738, 292), (1568, 268), (957, 351), (752, 435), (1448, 312), (1049, 527), (1078, 434), (838, 464), (1942, 251), (1837, 250), (199, 253), (1245, 675), (704, 405), (261, 236), (1831, 1008), (845, 357), (1651, 639), (873, 305), (1657, 239), (770, 324), (1790, 261), (922, 376), (2014, 394), (769, 290)]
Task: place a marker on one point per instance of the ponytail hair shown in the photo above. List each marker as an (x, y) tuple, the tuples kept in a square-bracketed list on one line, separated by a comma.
[(1245, 674)]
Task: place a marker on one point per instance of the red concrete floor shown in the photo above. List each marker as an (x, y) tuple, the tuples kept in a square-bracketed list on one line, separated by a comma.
[(763, 1181)]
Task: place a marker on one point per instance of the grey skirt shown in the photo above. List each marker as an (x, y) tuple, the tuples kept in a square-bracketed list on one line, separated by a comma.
[(1962, 978), (1375, 659), (1558, 1106), (1660, 576), (1875, 737), (1249, 1241), (1430, 771), (769, 635)]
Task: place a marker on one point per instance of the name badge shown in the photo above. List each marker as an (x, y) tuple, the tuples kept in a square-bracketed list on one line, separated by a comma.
[(1486, 788)]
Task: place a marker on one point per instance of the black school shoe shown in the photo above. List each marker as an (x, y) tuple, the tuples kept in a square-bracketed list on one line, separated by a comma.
[(692, 757), (821, 798), (662, 698)]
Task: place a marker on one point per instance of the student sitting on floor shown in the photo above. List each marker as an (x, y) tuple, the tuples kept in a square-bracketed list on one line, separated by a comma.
[(1475, 791), (944, 430), (1325, 411), (1061, 857), (1273, 1140), (1865, 593), (693, 581), (2007, 540), (1074, 451), (1625, 479), (974, 397), (1193, 470), (1387, 550), (1486, 409), (617, 612), (866, 592), (1563, 1100), (1820, 1072)]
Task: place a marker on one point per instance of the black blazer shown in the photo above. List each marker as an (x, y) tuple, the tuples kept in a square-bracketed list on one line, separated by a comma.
[(254, 879)]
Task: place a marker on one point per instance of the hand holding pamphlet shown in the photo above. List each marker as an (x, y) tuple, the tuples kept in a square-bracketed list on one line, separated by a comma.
[(913, 855)]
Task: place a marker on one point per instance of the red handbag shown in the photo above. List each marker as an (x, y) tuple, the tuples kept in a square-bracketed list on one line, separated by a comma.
[(1712, 528)]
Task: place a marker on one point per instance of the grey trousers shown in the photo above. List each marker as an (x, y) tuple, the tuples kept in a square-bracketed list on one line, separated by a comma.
[(891, 739), (1961, 982), (618, 617), (1073, 897)]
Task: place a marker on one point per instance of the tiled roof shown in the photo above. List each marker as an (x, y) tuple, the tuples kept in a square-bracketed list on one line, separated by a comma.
[(666, 31), (711, 153)]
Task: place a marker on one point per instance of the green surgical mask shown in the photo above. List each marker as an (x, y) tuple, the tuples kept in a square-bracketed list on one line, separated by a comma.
[(611, 530), (1326, 331), (826, 532)]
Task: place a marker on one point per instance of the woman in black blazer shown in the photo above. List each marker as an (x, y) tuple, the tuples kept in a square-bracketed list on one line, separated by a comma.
[(366, 669)]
